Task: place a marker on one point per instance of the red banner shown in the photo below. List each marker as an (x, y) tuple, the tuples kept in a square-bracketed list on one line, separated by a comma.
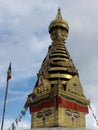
[(60, 102), (72, 105), (41, 105)]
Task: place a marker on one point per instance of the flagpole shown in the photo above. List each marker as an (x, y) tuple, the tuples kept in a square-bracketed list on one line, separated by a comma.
[(4, 107), (6, 93)]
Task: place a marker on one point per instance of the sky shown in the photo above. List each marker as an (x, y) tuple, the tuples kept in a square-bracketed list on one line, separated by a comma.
[(24, 41)]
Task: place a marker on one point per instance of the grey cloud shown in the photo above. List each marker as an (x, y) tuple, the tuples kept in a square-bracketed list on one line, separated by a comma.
[(24, 37)]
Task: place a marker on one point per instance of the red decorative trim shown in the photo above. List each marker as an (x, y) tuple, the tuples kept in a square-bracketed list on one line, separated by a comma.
[(40, 106), (72, 105), (60, 102)]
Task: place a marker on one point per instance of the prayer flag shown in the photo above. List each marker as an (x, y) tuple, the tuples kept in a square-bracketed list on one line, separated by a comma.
[(13, 126), (9, 73), (16, 120), (20, 117), (23, 112)]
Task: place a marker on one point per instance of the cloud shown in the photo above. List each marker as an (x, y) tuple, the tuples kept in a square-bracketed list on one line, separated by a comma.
[(15, 97), (17, 92), (21, 125), (19, 39), (24, 40), (8, 123)]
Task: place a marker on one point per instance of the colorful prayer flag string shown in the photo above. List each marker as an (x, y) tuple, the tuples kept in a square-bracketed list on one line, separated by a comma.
[(18, 119)]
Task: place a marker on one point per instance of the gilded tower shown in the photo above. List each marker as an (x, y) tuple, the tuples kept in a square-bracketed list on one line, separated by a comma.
[(58, 98)]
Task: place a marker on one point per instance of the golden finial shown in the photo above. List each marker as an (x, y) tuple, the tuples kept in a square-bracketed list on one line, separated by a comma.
[(58, 22), (59, 16)]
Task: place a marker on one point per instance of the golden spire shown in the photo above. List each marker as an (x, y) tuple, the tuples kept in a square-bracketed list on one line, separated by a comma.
[(58, 28), (59, 21), (58, 94), (59, 16)]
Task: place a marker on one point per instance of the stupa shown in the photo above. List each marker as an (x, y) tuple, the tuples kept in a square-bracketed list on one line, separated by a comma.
[(58, 99)]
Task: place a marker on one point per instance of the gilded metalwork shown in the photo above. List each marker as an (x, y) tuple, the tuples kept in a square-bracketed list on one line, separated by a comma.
[(71, 121), (74, 86), (68, 76), (60, 54), (60, 59), (56, 81), (58, 68), (58, 99), (59, 22), (58, 51), (58, 28)]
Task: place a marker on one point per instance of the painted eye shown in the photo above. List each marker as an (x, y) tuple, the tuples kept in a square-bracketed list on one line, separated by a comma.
[(39, 115), (48, 112), (76, 115), (68, 113)]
